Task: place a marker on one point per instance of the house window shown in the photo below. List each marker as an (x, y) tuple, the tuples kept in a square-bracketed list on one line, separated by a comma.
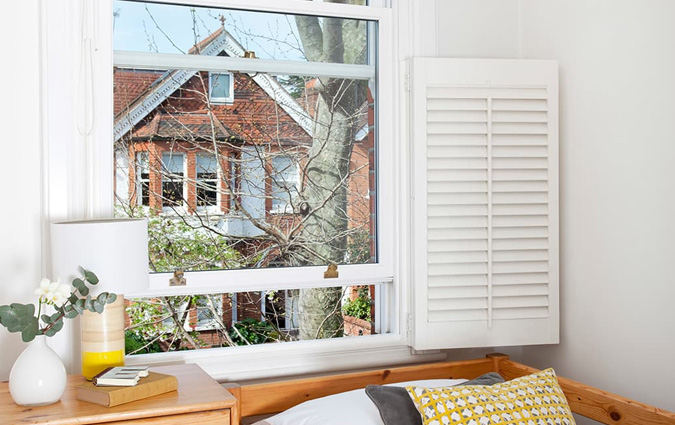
[(142, 179), (172, 179), (221, 87), (207, 181), (290, 146), (284, 178)]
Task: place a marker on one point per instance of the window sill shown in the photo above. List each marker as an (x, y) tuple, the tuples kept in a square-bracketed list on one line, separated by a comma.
[(292, 358)]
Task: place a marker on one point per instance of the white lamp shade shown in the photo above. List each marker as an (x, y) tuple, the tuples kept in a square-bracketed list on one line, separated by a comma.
[(116, 250)]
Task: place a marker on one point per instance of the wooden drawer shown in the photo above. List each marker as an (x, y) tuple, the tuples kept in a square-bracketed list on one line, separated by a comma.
[(196, 418)]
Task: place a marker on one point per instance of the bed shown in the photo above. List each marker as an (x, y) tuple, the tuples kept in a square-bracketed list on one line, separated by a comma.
[(272, 397)]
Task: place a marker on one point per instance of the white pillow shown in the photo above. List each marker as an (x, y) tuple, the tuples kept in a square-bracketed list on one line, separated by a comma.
[(348, 408)]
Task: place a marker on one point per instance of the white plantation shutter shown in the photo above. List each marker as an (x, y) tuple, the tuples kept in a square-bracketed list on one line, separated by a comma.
[(485, 208)]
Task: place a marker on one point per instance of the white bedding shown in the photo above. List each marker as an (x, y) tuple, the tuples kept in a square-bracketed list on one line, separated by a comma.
[(348, 408)]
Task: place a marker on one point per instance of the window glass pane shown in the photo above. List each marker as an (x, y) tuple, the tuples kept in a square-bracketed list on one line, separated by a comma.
[(279, 161), (247, 318), (220, 87), (207, 180), (284, 175), (172, 179), (166, 28), (284, 183)]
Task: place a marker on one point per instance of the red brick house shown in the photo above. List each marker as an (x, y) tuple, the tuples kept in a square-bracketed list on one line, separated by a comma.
[(224, 149)]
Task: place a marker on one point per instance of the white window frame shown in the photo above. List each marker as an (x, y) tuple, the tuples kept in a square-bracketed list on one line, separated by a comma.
[(226, 100), (76, 52), (210, 209)]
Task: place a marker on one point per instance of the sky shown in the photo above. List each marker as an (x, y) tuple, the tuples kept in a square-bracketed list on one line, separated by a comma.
[(165, 28)]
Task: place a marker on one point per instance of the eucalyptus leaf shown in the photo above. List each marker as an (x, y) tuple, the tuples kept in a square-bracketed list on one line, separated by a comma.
[(58, 325), (90, 305), (78, 284), (90, 277), (84, 290), (98, 307), (101, 299), (46, 318), (70, 314), (78, 307), (51, 332), (73, 298), (30, 329), (111, 298)]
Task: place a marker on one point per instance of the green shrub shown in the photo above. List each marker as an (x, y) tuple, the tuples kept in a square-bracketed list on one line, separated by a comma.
[(358, 307), (253, 331)]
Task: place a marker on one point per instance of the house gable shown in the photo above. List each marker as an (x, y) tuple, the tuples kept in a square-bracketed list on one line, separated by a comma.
[(157, 92)]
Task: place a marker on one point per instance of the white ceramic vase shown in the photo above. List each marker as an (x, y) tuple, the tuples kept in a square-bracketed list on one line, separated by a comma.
[(38, 376)]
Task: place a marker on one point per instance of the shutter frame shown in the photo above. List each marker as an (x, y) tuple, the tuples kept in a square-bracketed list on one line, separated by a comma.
[(518, 304)]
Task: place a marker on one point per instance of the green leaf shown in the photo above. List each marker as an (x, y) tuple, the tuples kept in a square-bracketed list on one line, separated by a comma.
[(30, 329), (55, 316), (98, 307), (79, 306), (46, 318), (51, 332), (84, 291), (90, 305), (18, 316), (73, 298), (90, 277), (57, 326), (101, 299), (70, 314), (78, 283), (111, 298)]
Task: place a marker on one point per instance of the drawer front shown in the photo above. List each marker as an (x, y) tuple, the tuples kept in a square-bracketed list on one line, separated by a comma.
[(195, 418)]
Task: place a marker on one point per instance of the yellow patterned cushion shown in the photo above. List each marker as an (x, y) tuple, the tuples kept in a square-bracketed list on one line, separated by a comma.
[(529, 400)]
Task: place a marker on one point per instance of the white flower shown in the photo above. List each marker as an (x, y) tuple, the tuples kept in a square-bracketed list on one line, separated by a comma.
[(55, 293), (61, 294), (44, 289)]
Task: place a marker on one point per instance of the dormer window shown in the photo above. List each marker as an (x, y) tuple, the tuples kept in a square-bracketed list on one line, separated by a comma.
[(221, 87)]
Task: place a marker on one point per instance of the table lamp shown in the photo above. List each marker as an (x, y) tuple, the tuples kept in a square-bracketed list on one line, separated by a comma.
[(116, 250)]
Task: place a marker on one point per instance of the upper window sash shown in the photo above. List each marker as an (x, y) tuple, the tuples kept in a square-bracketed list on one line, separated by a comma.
[(311, 8), (378, 16)]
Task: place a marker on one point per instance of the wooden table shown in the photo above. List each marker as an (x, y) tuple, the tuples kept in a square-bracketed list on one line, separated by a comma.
[(199, 400)]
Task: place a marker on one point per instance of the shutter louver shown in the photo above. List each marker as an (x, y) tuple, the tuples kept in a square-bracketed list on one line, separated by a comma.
[(486, 222)]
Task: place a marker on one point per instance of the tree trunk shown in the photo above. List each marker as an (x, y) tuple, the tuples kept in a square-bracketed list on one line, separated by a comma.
[(323, 238)]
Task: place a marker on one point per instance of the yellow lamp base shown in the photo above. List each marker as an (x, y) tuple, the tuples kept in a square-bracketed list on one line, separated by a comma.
[(94, 363)]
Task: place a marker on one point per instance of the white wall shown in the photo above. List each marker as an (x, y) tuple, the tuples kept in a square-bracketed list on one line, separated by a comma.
[(20, 223), (477, 28), (617, 146), (617, 181)]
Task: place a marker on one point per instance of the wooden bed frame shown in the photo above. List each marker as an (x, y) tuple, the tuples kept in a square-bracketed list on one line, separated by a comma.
[(593, 403)]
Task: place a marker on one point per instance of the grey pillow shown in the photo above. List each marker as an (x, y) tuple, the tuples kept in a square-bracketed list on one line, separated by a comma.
[(397, 408)]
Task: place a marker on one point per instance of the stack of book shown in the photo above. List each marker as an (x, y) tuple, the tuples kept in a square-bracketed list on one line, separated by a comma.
[(119, 385)]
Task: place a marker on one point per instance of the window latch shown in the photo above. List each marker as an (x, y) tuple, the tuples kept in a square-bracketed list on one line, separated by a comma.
[(178, 279), (331, 272)]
